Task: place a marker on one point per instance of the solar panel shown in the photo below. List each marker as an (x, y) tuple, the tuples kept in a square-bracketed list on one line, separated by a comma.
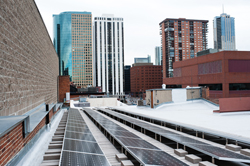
[(79, 125), (77, 159), (153, 157), (193, 143), (79, 136), (75, 120), (183, 139), (136, 143), (220, 152), (144, 152), (113, 126), (81, 146), (83, 130), (122, 133)]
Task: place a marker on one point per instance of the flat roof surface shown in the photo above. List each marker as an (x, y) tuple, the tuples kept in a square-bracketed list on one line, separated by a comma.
[(160, 89), (199, 114)]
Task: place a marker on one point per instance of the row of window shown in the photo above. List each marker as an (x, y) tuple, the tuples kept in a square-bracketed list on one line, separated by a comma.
[(109, 19), (81, 15)]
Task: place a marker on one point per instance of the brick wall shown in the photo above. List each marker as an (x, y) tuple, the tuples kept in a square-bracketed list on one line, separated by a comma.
[(12, 142), (214, 69), (145, 77), (64, 86), (28, 61)]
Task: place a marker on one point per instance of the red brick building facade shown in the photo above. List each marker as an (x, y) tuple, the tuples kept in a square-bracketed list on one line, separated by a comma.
[(181, 40), (64, 86), (145, 77), (226, 73)]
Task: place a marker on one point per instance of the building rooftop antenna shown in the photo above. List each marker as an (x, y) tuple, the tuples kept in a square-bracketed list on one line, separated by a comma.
[(222, 8)]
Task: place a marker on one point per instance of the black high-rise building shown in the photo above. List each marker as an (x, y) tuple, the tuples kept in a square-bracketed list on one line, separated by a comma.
[(127, 79)]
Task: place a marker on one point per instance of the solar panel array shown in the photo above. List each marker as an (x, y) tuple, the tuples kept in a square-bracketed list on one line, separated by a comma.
[(79, 146), (211, 150), (144, 152)]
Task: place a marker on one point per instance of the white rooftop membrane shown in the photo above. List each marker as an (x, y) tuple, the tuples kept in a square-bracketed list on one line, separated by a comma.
[(199, 114)]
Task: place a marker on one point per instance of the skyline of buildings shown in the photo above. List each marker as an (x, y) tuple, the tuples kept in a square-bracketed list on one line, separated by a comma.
[(73, 44), (224, 32), (181, 39), (38, 124), (108, 48)]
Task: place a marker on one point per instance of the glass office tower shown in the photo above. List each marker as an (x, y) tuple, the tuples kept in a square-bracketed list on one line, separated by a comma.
[(73, 44), (224, 32)]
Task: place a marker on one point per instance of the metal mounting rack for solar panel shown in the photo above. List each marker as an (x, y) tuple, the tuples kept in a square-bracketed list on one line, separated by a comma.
[(174, 136), (177, 124), (87, 152), (101, 120)]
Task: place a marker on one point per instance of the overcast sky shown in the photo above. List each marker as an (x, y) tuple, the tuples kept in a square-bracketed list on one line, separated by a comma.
[(142, 18)]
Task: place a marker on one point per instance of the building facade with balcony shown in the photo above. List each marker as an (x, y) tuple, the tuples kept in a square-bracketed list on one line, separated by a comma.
[(181, 39)]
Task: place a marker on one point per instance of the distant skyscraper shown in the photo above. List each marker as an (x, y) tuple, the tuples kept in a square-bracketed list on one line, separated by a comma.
[(224, 32), (158, 55), (127, 78), (109, 54), (181, 39), (143, 60), (73, 43)]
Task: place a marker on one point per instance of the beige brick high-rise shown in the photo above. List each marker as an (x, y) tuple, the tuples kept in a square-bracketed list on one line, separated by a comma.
[(28, 61)]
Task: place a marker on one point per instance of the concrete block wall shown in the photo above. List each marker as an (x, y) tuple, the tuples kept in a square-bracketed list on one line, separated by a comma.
[(28, 61), (193, 94), (163, 96)]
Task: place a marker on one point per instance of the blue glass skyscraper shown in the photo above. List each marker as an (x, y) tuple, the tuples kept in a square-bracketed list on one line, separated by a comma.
[(224, 32), (73, 44)]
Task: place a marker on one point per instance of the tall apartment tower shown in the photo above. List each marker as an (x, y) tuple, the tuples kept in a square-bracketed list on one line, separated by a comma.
[(158, 55), (224, 32), (109, 54), (181, 39), (73, 44)]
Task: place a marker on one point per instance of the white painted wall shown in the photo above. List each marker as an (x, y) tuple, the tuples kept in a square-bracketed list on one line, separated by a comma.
[(179, 95), (98, 102)]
